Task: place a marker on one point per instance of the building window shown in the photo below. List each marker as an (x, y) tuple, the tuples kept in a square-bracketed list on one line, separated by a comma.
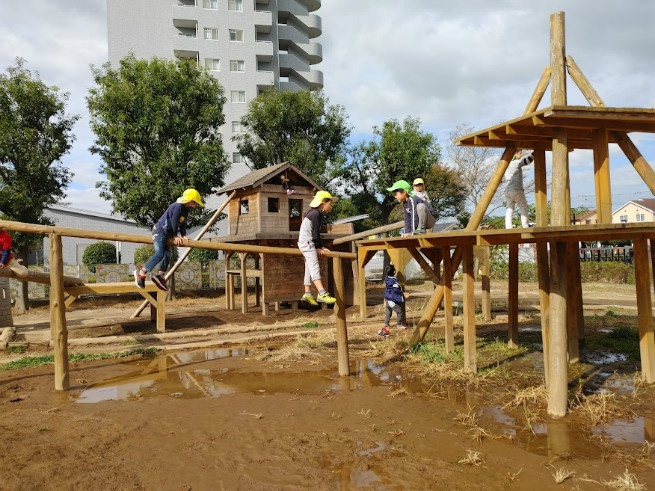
[(236, 35), (243, 207), (186, 3), (213, 64), (211, 33), (274, 205), (238, 96), (210, 4), (641, 217), (236, 5), (237, 66), (237, 158), (623, 218), (236, 127)]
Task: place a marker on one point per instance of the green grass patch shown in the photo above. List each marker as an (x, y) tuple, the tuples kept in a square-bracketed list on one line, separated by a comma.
[(310, 324), (623, 339), (35, 361), (17, 350)]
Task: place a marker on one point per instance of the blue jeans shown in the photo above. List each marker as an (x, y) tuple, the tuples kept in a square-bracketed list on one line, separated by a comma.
[(162, 253)]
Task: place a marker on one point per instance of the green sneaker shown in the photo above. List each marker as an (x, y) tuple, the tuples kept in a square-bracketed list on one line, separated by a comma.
[(325, 298), (419, 231), (307, 297)]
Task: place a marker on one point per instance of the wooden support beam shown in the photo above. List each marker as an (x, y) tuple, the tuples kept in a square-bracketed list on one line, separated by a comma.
[(543, 274), (449, 336), (539, 91), (340, 317), (493, 136), (572, 260), (244, 283), (367, 233), (485, 265), (423, 263), (640, 164), (513, 297), (540, 188), (645, 312), (583, 84), (537, 121), (149, 298), (602, 175), (652, 258), (361, 261), (468, 293), (509, 129), (364, 256), (161, 311), (557, 60), (557, 335), (58, 327), (558, 215)]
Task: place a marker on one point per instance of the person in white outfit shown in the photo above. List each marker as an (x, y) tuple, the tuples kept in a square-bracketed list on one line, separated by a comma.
[(514, 193)]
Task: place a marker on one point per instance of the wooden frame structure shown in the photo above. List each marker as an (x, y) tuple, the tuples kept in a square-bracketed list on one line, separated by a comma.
[(560, 129)]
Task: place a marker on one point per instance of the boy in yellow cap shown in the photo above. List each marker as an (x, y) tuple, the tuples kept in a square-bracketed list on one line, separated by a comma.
[(172, 222), (311, 245)]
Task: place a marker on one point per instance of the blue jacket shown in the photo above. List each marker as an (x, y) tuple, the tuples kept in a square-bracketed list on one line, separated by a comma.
[(411, 215), (392, 290), (173, 221)]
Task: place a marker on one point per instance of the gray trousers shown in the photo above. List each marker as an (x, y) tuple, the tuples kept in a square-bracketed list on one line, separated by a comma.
[(425, 219), (312, 268), (398, 309)]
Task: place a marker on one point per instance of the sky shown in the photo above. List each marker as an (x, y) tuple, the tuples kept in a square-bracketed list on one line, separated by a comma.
[(469, 62)]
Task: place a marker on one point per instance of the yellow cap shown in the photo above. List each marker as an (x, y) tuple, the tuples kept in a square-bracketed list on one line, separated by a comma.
[(417, 181), (320, 197), (191, 195)]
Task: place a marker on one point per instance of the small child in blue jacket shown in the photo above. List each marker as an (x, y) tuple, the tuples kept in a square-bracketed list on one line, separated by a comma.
[(394, 300)]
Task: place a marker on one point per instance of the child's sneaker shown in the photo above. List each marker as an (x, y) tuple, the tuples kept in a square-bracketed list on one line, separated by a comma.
[(401, 327), (384, 332), (419, 231), (139, 279), (325, 298), (307, 297), (160, 281)]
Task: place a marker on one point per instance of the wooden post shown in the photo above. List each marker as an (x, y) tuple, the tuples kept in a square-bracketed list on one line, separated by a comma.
[(513, 297), (640, 164), (362, 258), (543, 273), (557, 60), (539, 91), (449, 336), (161, 311), (540, 188), (340, 317), (485, 263), (557, 339), (602, 175), (244, 283), (572, 287), (468, 293), (257, 280), (652, 258), (58, 327), (644, 308)]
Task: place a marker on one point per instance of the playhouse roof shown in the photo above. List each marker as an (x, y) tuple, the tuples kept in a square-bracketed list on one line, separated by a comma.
[(260, 176), (535, 130)]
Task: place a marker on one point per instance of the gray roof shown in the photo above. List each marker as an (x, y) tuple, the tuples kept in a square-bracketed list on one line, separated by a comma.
[(445, 227), (260, 176)]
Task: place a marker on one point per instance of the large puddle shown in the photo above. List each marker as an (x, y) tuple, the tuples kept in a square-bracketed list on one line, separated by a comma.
[(204, 374)]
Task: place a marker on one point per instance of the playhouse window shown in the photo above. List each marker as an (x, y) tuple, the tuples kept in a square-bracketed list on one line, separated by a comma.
[(243, 207), (273, 205)]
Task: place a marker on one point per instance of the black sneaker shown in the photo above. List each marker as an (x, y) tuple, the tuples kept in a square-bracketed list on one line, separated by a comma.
[(139, 279), (160, 282)]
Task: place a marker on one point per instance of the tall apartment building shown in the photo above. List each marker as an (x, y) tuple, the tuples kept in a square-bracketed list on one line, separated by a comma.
[(248, 45)]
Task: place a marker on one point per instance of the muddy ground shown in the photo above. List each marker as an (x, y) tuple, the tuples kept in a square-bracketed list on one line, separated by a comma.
[(233, 401)]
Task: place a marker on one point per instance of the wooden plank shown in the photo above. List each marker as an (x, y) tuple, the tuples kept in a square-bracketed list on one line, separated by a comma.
[(161, 312), (367, 233), (250, 273), (645, 313), (513, 298), (468, 293), (149, 299), (69, 300), (540, 188), (449, 336), (572, 260), (539, 91), (543, 274), (557, 60), (107, 288), (58, 313), (340, 317), (557, 336)]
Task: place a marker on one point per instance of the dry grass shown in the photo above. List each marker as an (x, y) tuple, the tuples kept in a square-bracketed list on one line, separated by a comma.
[(625, 482), (469, 418), (303, 348), (534, 396), (472, 458), (599, 408), (562, 475)]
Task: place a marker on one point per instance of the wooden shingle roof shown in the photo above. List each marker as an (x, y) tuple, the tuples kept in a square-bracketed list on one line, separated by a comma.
[(260, 176)]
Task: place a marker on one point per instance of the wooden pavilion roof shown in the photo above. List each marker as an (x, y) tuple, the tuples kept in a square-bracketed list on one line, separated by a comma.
[(535, 130)]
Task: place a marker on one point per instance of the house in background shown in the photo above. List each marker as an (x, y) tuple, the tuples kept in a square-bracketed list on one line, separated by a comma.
[(635, 211), (588, 218)]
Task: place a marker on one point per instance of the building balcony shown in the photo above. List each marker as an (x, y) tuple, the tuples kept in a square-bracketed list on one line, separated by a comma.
[(184, 43), (312, 24), (263, 21), (289, 61), (313, 51), (288, 32), (182, 54), (312, 5), (313, 79), (265, 79), (187, 3), (264, 51)]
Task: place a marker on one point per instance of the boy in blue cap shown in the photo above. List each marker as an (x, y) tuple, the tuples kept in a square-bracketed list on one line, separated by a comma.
[(417, 215)]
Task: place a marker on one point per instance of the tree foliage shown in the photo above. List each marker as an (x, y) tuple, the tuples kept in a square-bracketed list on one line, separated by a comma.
[(99, 253), (399, 151), (203, 255), (298, 127), (143, 253), (35, 133), (157, 130)]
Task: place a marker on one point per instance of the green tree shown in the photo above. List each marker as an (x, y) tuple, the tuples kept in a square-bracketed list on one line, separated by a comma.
[(143, 253), (399, 151), (298, 127), (99, 253), (157, 130), (35, 133), (203, 255)]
